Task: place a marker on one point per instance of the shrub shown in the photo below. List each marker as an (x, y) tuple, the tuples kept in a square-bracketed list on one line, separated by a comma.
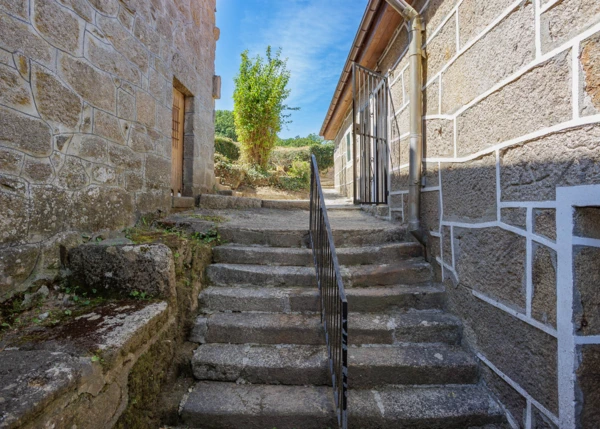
[(226, 147), (285, 157), (324, 154)]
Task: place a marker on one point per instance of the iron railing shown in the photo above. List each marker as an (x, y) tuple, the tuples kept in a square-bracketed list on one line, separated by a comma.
[(333, 303)]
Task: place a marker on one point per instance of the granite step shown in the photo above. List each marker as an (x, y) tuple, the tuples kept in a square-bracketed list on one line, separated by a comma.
[(414, 271), (217, 405), (287, 300), (298, 237), (261, 255), (370, 366), (306, 328)]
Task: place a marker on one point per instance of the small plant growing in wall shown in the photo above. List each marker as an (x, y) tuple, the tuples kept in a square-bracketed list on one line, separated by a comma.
[(260, 92)]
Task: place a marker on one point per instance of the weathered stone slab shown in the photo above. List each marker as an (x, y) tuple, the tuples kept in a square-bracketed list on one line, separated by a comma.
[(124, 42), (544, 222), (587, 293), (566, 19), (73, 174), (158, 172), (439, 138), (50, 211), (587, 222), (107, 59), (101, 208), (125, 105), (89, 147), (469, 190), (501, 52), (59, 26), (502, 339), (543, 306), (589, 97), (588, 374), (92, 85), (16, 265), (15, 91), (108, 126), (20, 9), (492, 261), (531, 171), (10, 161), (510, 398), (55, 102), (81, 8), (146, 109), (124, 158), (123, 269), (37, 170), (516, 216), (540, 98), (431, 98), (24, 133), (441, 48), (474, 16), (18, 36)]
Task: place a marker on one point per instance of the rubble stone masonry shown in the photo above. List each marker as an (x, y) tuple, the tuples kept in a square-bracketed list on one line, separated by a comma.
[(86, 91)]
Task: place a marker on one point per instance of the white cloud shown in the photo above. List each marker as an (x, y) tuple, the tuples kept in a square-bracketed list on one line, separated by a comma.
[(314, 35)]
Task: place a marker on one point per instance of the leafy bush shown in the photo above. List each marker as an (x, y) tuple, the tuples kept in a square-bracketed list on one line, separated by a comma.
[(224, 124), (324, 154), (298, 178), (226, 147), (283, 158)]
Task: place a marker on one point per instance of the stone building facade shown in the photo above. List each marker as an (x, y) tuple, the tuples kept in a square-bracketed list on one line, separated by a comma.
[(86, 96), (510, 203)]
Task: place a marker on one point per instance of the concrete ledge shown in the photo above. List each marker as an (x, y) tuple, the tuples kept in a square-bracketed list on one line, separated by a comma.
[(220, 202)]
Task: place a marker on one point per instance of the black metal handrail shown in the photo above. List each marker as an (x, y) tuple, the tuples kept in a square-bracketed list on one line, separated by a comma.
[(333, 303)]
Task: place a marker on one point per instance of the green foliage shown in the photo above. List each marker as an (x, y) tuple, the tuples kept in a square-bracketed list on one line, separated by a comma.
[(300, 141), (260, 92), (324, 154), (298, 177), (225, 124), (226, 147)]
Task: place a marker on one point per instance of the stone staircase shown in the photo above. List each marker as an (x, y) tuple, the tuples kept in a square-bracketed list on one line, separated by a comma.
[(262, 361)]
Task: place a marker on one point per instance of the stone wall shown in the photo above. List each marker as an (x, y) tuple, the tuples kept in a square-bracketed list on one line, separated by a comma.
[(512, 116), (86, 91)]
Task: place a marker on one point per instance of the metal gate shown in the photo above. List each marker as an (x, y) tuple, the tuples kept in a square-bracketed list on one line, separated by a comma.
[(370, 146)]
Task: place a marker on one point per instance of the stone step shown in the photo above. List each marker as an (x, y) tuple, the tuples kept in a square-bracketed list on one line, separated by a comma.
[(286, 204), (221, 202), (406, 272), (219, 405), (299, 237), (278, 328), (183, 202), (370, 366), (261, 255), (286, 300)]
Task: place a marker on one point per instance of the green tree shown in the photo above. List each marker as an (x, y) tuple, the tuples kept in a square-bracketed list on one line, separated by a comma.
[(260, 92), (225, 124)]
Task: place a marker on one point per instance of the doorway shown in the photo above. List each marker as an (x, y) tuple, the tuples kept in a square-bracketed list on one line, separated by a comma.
[(177, 144)]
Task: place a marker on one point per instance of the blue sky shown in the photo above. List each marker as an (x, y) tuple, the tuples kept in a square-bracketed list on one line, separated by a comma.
[(315, 36)]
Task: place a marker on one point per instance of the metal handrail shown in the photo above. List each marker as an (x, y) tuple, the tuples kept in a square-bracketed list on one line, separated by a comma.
[(333, 303)]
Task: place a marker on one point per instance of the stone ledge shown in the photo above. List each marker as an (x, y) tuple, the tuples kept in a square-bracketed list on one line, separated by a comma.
[(78, 371)]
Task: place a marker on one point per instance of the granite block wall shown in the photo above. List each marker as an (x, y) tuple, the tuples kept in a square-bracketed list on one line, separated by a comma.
[(512, 116)]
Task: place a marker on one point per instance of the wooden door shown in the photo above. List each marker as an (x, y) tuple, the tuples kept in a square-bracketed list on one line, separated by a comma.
[(177, 144)]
